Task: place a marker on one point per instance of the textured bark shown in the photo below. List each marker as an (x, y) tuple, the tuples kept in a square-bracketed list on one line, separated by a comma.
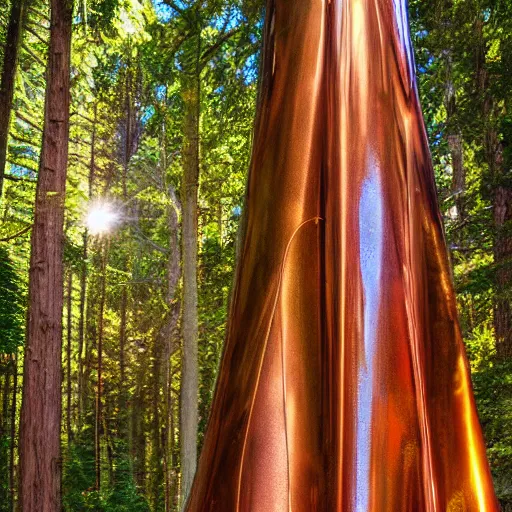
[(11, 51), (189, 378), (40, 455)]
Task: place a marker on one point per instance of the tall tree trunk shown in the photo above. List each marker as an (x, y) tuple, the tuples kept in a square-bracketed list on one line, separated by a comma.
[(7, 82), (4, 436), (138, 440), (190, 185), (99, 384), (454, 137), (127, 153), (69, 326), (83, 279), (40, 455), (81, 328), (157, 470), (503, 260), (12, 471), (173, 276)]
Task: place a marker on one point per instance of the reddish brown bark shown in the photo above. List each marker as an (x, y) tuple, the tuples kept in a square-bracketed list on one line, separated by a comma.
[(40, 455)]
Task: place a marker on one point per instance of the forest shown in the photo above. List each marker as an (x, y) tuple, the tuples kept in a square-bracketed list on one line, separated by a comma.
[(125, 140)]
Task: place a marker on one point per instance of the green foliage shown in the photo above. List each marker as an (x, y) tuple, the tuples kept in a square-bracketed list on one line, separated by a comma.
[(493, 390), (11, 305), (80, 494)]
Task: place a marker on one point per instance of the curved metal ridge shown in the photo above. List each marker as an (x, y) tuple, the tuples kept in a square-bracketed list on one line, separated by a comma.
[(344, 384)]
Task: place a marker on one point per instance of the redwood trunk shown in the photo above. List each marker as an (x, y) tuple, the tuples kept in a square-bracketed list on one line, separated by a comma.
[(7, 83), (40, 454)]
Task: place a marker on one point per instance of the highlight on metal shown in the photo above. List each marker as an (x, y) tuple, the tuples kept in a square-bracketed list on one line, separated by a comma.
[(344, 384)]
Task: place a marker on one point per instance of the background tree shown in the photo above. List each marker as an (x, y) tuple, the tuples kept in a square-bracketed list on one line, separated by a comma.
[(40, 466)]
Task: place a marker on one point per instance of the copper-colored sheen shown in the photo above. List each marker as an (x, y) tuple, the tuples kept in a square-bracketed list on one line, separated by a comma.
[(344, 384)]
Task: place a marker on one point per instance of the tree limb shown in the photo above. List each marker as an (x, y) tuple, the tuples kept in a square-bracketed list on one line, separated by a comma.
[(33, 55), (28, 121), (10, 177), (207, 54), (16, 235), (35, 34)]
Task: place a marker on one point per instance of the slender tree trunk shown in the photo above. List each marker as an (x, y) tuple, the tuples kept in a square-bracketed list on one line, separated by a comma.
[(173, 276), (4, 436), (127, 153), (83, 279), (99, 388), (190, 185), (90, 344), (138, 440), (11, 49), (454, 137), (122, 340), (167, 433), (81, 328), (157, 472), (503, 259), (12, 471), (40, 454), (69, 326)]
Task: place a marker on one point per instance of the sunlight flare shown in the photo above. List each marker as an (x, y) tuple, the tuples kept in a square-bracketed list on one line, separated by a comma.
[(101, 218)]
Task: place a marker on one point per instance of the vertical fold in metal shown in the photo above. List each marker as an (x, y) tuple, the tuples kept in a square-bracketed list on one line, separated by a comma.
[(344, 385)]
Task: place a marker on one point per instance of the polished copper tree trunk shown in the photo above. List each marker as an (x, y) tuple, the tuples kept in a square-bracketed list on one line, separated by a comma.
[(344, 385)]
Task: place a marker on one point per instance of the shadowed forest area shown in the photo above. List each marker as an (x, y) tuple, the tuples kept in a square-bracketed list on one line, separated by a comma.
[(153, 154)]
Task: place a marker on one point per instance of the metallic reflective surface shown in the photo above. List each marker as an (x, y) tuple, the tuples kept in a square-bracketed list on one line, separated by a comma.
[(344, 385)]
